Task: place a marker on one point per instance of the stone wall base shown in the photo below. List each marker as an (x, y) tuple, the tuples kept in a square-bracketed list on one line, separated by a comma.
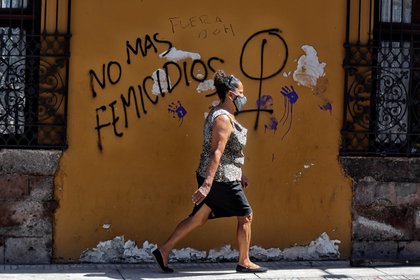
[(27, 205), (385, 209)]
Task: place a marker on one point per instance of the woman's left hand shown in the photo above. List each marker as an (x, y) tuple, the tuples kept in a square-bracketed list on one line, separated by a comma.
[(244, 181)]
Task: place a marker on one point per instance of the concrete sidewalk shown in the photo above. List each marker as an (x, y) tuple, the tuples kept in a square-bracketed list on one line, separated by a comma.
[(191, 271)]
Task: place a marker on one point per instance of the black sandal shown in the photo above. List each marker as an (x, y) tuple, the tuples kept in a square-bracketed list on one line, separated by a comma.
[(158, 257), (243, 269)]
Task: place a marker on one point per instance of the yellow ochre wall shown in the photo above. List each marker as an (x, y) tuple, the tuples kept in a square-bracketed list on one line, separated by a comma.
[(140, 183)]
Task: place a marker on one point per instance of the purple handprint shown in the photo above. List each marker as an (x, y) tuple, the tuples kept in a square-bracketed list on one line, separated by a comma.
[(178, 110), (290, 94), (290, 98)]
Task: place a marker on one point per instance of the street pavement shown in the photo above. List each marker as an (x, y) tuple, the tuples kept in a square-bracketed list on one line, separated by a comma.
[(194, 271)]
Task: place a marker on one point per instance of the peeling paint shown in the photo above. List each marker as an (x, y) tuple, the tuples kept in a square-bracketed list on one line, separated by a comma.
[(187, 255), (308, 165), (162, 81), (321, 248), (287, 74), (120, 251), (133, 254), (213, 104), (117, 251), (205, 86), (261, 254), (224, 254), (176, 55), (309, 69), (106, 226)]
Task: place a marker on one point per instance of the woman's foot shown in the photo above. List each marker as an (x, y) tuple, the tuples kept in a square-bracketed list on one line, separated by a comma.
[(165, 255), (160, 261)]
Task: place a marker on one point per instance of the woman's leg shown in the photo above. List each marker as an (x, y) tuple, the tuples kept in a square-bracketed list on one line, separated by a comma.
[(244, 240), (183, 228)]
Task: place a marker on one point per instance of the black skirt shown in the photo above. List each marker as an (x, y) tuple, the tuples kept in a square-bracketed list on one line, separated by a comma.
[(225, 199)]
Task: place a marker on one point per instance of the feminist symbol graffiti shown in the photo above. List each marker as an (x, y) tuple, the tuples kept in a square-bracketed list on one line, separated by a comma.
[(263, 40)]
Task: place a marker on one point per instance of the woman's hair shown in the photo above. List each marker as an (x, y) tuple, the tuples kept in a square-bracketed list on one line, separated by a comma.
[(224, 83)]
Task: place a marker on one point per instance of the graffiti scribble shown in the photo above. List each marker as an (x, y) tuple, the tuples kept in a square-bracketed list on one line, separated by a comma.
[(290, 98), (177, 110)]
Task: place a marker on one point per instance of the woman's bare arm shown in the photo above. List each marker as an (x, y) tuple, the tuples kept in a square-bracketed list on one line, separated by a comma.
[(222, 128)]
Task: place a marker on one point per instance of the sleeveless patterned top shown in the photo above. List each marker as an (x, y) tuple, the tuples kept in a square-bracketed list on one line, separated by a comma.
[(232, 158)]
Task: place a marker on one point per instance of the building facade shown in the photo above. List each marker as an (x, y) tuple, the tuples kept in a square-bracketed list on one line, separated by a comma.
[(102, 108)]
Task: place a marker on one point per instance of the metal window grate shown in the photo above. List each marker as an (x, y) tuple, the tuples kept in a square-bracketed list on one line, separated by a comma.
[(382, 78), (34, 62)]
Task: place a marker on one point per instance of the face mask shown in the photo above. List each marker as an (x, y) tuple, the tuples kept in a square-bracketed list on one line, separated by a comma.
[(239, 102)]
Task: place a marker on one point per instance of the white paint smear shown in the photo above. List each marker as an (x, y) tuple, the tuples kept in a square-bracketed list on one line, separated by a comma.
[(120, 251), (309, 69), (376, 226), (287, 74), (205, 86), (176, 55), (163, 81), (308, 165), (213, 104), (106, 226)]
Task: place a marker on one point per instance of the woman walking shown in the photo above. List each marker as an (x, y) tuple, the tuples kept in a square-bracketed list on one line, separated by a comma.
[(219, 176)]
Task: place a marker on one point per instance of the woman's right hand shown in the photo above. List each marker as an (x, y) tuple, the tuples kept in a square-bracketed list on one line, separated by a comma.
[(200, 194), (222, 129)]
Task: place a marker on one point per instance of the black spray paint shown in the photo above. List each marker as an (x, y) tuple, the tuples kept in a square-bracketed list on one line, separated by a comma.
[(271, 34), (138, 94), (112, 72)]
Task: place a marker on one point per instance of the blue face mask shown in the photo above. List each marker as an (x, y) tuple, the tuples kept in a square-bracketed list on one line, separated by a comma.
[(239, 102)]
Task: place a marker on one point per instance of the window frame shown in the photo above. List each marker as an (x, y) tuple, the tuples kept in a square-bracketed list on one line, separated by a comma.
[(46, 58), (363, 72)]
